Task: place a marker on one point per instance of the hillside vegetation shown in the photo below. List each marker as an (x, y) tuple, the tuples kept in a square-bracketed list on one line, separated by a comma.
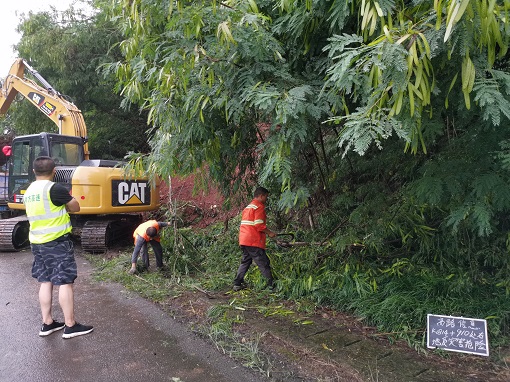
[(380, 128)]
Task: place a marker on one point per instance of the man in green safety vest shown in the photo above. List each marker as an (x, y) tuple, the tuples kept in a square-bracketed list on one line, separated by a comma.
[(47, 206)]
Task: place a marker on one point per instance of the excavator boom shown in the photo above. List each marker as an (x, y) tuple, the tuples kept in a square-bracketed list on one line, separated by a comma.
[(51, 103)]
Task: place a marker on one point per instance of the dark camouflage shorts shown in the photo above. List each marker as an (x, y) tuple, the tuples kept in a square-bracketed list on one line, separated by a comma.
[(54, 262)]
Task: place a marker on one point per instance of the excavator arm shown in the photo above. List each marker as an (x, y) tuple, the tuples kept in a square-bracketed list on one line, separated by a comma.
[(51, 103)]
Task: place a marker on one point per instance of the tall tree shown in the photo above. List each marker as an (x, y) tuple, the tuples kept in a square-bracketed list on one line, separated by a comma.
[(409, 60), (304, 78), (67, 48), (224, 90)]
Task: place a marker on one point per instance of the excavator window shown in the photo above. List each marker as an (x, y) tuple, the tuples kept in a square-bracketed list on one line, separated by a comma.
[(68, 154), (21, 158), (23, 154)]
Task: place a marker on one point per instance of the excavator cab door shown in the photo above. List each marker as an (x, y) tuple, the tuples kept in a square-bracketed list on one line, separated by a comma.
[(24, 151)]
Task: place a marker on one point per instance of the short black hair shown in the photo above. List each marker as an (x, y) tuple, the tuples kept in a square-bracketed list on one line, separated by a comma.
[(43, 166), (151, 231), (260, 191)]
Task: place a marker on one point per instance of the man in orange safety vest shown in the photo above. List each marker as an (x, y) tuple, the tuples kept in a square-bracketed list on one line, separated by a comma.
[(252, 239), (147, 232)]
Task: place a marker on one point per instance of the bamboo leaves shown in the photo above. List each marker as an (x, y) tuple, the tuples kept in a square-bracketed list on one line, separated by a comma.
[(400, 72), (224, 33), (468, 79), (370, 12), (489, 17), (456, 9), (419, 69), (467, 30)]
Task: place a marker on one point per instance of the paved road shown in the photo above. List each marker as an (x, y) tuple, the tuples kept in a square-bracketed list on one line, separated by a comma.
[(133, 340)]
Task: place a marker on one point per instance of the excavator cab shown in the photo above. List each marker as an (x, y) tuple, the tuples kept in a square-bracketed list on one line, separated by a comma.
[(67, 151)]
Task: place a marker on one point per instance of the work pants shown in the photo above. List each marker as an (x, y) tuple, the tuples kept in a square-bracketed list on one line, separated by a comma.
[(257, 255), (141, 248)]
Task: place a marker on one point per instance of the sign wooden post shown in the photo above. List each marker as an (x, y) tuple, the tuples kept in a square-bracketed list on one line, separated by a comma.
[(460, 334)]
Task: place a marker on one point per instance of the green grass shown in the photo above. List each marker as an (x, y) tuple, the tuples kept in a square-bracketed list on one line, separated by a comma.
[(395, 296)]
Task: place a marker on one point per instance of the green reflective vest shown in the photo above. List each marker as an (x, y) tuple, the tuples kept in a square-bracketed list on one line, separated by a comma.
[(47, 221)]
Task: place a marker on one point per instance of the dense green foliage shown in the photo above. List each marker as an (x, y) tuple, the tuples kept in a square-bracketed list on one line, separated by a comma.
[(306, 80), (393, 294), (386, 120), (66, 48)]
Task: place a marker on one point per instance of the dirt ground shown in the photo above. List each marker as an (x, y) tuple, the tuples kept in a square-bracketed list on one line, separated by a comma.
[(195, 208), (315, 352), (332, 346)]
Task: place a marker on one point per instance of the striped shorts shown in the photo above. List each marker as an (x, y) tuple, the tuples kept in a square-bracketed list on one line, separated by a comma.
[(54, 262)]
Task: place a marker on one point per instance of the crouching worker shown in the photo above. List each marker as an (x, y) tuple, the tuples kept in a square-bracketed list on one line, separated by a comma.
[(147, 232)]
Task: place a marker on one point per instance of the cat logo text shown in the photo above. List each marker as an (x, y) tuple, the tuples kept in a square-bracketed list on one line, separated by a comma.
[(130, 193)]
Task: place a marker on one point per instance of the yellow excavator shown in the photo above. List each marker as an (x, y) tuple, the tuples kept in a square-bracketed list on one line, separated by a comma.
[(111, 200)]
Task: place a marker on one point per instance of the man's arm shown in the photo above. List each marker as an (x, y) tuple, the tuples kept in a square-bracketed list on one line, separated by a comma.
[(260, 222), (60, 196), (73, 206), (268, 232), (139, 242)]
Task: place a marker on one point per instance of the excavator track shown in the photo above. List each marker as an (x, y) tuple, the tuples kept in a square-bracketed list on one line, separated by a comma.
[(99, 235), (14, 234)]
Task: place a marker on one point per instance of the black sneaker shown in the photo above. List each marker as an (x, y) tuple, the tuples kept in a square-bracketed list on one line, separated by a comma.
[(76, 330), (46, 330)]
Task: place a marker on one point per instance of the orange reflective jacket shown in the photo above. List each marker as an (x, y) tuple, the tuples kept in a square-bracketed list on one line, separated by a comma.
[(253, 222), (142, 228)]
